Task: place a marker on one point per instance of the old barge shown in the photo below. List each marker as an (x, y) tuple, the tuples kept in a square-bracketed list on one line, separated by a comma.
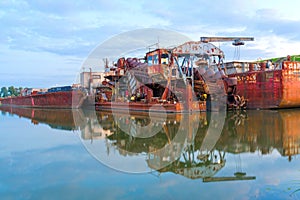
[(56, 97), (268, 87), (166, 80), (263, 84), (194, 77)]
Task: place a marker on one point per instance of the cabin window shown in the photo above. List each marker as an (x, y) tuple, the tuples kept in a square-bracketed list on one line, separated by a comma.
[(164, 59), (149, 60), (96, 76), (156, 59)]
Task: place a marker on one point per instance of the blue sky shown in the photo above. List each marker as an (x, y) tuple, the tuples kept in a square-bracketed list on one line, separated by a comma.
[(45, 43)]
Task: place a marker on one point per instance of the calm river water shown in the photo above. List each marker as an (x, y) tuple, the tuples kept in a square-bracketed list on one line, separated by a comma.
[(83, 154)]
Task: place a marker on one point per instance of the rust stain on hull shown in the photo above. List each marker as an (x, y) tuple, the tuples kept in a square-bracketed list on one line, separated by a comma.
[(271, 88), (68, 99)]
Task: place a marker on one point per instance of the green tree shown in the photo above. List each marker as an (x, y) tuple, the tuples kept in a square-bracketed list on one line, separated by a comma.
[(4, 92), (12, 91), (19, 90)]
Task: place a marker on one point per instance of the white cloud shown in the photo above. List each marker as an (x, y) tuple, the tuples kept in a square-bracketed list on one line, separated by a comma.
[(68, 28), (36, 69)]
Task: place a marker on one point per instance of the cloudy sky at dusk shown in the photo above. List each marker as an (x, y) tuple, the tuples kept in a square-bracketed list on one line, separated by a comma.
[(44, 43)]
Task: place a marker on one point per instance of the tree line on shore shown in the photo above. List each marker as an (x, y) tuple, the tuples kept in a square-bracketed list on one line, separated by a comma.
[(10, 91)]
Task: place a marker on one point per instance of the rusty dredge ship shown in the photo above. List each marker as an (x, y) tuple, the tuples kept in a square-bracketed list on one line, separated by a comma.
[(194, 77), (190, 77)]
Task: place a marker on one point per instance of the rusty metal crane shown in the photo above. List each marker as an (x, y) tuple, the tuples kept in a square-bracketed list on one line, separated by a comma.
[(237, 41)]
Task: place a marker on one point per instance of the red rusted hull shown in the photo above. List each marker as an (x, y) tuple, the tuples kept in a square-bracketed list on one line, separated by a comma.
[(64, 99), (271, 88), (152, 107)]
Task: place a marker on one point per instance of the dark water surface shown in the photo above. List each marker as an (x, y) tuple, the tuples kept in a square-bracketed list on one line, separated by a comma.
[(81, 154)]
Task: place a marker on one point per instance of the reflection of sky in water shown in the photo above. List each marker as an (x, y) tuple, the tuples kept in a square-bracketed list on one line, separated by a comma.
[(112, 158), (39, 162)]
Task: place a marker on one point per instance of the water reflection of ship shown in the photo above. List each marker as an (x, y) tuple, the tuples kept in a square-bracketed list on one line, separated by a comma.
[(196, 160), (172, 150), (250, 131), (263, 131), (97, 126), (139, 133), (56, 118)]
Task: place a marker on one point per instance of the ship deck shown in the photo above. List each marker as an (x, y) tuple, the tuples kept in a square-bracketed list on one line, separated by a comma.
[(196, 106)]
